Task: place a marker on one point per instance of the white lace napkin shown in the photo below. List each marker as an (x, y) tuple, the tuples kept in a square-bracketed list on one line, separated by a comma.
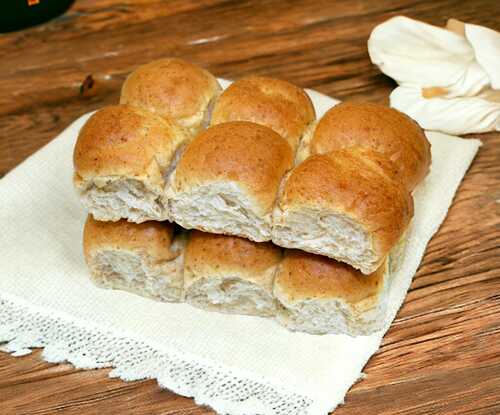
[(449, 78), (235, 364)]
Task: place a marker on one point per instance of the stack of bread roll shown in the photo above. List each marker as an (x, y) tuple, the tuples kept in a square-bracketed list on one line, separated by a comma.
[(193, 192)]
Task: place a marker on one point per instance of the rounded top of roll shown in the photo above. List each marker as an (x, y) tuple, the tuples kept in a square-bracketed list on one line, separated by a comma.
[(275, 103), (211, 255), (171, 88), (358, 183), (249, 155), (303, 276), (153, 238), (125, 140), (380, 128)]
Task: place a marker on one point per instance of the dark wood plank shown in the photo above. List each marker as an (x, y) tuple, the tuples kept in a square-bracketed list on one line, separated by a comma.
[(442, 355)]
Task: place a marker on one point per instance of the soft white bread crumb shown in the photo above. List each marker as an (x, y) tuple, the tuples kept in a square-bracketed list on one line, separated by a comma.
[(111, 198), (230, 274), (128, 271), (230, 295), (144, 259), (221, 207), (326, 233)]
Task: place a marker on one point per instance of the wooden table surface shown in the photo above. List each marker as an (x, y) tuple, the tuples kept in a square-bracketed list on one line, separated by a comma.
[(442, 355)]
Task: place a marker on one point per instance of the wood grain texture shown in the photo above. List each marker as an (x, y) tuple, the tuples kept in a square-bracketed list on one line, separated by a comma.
[(442, 354)]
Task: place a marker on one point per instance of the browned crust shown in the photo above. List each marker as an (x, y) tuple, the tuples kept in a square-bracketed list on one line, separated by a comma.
[(223, 254), (126, 141), (304, 276), (380, 128), (251, 155), (148, 238), (274, 103), (171, 88)]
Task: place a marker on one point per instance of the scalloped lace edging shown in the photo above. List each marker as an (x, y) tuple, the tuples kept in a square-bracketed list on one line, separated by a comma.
[(23, 327)]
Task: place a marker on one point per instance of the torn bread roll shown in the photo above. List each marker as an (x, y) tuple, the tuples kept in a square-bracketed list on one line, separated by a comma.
[(375, 127), (145, 259), (347, 204), (228, 178), (121, 159), (230, 274), (274, 103), (319, 295), (175, 89)]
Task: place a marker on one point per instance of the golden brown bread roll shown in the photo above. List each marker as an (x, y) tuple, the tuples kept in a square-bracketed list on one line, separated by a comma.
[(230, 274), (175, 89), (121, 160), (227, 180), (144, 258), (319, 295), (379, 128), (346, 205), (274, 103)]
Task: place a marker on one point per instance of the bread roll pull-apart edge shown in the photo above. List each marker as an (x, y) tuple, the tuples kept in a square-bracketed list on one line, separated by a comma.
[(302, 291)]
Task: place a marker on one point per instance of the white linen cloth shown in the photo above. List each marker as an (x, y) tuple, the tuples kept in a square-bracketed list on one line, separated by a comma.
[(235, 364), (449, 79)]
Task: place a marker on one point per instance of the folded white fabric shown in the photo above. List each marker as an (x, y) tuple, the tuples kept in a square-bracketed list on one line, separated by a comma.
[(236, 364), (449, 78)]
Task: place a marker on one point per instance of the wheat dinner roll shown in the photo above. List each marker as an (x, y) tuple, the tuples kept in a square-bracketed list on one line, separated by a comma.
[(230, 274), (175, 89), (145, 259), (227, 180), (121, 158), (346, 205), (380, 128), (274, 103), (319, 295)]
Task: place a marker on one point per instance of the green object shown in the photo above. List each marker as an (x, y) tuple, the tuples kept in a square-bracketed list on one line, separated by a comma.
[(19, 14)]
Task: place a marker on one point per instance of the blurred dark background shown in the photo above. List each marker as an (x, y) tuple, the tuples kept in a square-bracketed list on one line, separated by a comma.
[(19, 14)]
